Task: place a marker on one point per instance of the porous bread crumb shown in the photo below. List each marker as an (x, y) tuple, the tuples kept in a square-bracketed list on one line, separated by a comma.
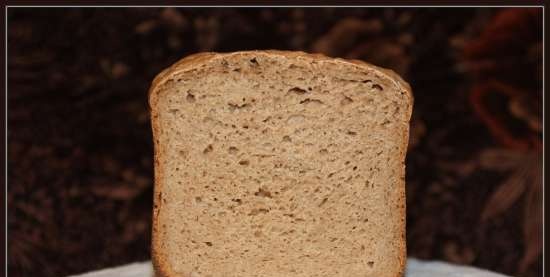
[(279, 164)]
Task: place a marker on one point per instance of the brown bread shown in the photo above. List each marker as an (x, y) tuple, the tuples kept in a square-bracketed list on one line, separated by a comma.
[(274, 163)]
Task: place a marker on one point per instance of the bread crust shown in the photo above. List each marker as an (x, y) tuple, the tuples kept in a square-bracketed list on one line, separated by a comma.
[(191, 62)]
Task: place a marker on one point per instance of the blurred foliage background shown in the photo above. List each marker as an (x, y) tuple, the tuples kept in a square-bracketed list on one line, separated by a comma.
[(80, 146)]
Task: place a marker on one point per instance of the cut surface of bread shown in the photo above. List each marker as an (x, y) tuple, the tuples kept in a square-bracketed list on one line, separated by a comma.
[(274, 163)]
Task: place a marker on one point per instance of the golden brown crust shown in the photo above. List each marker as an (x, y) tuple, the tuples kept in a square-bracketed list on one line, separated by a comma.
[(196, 60)]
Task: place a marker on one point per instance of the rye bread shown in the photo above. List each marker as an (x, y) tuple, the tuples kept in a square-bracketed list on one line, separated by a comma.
[(275, 163)]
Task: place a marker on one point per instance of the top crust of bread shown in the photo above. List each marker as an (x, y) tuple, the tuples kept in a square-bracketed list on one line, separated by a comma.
[(196, 60), (189, 63)]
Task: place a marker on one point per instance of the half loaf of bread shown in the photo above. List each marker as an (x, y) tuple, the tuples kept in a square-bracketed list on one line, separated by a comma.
[(279, 164)]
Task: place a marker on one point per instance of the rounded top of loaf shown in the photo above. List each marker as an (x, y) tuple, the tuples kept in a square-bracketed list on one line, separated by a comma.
[(197, 60)]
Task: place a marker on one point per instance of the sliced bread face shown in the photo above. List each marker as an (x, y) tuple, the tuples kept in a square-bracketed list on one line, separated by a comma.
[(271, 163)]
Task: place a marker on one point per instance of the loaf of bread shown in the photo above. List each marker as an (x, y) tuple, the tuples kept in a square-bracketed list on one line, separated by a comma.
[(279, 164)]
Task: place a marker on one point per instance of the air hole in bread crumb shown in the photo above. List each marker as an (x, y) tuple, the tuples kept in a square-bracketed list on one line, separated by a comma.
[(244, 162), (287, 139), (370, 264), (173, 111), (262, 192), (297, 90), (352, 133), (208, 243), (355, 168), (233, 150), (323, 202), (378, 87), (198, 199), (346, 101), (367, 81), (190, 98), (208, 149), (288, 232), (258, 211), (233, 106), (323, 151), (311, 101), (254, 61)]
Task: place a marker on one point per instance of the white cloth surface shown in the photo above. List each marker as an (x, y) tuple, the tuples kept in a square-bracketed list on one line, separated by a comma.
[(415, 268)]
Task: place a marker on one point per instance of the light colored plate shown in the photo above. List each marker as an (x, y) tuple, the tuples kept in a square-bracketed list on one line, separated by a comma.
[(415, 268)]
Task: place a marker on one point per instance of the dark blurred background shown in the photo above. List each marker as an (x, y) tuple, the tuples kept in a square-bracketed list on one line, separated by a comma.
[(80, 151)]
